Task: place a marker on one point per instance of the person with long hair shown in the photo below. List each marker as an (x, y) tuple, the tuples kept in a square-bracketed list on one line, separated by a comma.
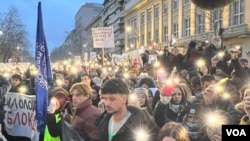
[(172, 104), (173, 131), (95, 95)]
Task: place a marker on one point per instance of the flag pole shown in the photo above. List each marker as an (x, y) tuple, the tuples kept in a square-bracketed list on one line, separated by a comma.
[(102, 56)]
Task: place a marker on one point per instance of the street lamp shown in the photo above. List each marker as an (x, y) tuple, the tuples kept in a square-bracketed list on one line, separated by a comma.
[(1, 32), (86, 52)]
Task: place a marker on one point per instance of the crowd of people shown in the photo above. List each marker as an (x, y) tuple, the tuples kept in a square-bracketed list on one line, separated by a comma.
[(178, 100)]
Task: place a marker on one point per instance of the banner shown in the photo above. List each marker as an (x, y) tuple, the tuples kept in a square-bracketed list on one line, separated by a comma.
[(103, 37), (92, 55), (20, 115), (44, 73), (116, 59)]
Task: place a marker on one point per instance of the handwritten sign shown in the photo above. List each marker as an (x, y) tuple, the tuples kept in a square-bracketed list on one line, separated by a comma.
[(20, 115), (103, 37), (92, 55)]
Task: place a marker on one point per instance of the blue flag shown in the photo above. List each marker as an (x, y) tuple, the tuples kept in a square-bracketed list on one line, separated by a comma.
[(44, 73)]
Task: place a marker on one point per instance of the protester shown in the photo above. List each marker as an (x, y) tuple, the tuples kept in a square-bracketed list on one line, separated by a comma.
[(172, 104), (192, 123), (211, 99), (58, 99), (173, 131), (4, 88), (140, 96), (213, 123), (16, 83), (121, 122), (245, 96), (85, 78), (84, 113), (95, 95)]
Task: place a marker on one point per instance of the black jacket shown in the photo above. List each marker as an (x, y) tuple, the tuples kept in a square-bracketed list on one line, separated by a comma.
[(139, 118)]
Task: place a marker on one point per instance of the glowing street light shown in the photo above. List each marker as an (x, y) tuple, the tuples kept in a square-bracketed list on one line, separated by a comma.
[(128, 28)]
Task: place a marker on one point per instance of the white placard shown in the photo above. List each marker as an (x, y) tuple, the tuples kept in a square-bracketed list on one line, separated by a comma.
[(92, 55), (103, 37), (20, 115)]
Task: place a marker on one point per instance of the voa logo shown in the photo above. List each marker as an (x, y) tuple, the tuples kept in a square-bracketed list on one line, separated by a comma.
[(236, 132)]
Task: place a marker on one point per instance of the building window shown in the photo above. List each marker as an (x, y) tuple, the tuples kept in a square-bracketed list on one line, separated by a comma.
[(156, 35), (165, 34), (142, 19), (175, 4), (165, 7), (238, 12), (217, 19), (175, 30), (149, 36), (142, 39), (149, 16), (132, 24), (200, 23), (156, 12), (186, 1), (186, 27)]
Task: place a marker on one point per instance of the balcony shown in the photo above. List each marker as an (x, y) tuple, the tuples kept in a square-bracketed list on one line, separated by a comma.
[(237, 31), (116, 17)]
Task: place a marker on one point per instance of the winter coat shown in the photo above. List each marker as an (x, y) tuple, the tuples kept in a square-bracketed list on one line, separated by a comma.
[(163, 114), (245, 120), (138, 119), (218, 104), (83, 121)]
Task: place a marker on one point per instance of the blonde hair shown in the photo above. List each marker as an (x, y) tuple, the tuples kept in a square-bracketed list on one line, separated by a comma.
[(82, 88)]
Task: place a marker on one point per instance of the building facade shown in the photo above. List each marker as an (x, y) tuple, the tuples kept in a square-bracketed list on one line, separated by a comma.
[(161, 21), (139, 23), (84, 16), (112, 16)]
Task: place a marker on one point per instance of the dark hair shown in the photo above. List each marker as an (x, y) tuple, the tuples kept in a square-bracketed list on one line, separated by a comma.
[(195, 81), (85, 74), (16, 76), (175, 130), (221, 75), (207, 78), (97, 89), (148, 81), (115, 86)]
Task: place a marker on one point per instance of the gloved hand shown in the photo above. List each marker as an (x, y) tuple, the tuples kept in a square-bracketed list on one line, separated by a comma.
[(165, 99)]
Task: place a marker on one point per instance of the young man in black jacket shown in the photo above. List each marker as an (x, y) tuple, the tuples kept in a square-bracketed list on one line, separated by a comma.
[(121, 122)]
